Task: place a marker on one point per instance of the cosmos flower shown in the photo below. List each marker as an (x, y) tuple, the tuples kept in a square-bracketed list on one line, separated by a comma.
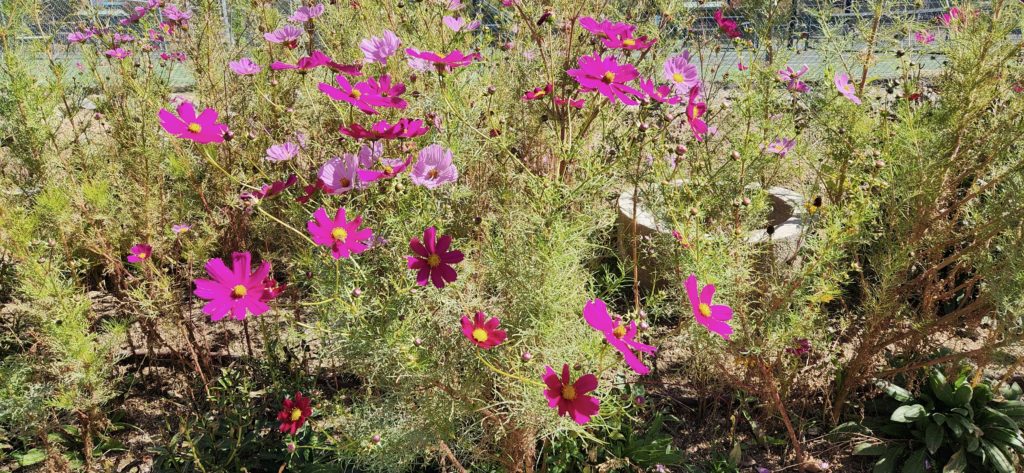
[(178, 56), (282, 152), (539, 92), (620, 336), (234, 290), (694, 111), (483, 331), (949, 17), (176, 17), (658, 93), (714, 317), (294, 413), (780, 146), (343, 236), (382, 130), (607, 77), (448, 62), (606, 29), (139, 253), (307, 13), (682, 73), (729, 27), (380, 48), (201, 129), (118, 53), (338, 175), (741, 67), (924, 37), (180, 228), (575, 103), (382, 92), (432, 260), (315, 60), (389, 168), (459, 24), (267, 191), (245, 67), (287, 35), (122, 38), (346, 92), (792, 79), (434, 167), (845, 88), (80, 36), (571, 397)]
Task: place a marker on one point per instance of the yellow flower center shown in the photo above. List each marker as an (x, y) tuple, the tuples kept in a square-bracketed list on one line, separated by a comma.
[(339, 234), (142, 255), (433, 260), (568, 392), (704, 309), (608, 77), (389, 170), (619, 331), (239, 291), (356, 93), (629, 42), (296, 414), (678, 78), (540, 93), (480, 335), (194, 127)]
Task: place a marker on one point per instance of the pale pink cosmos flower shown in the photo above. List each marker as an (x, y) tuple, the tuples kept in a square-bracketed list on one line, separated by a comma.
[(620, 336), (343, 236), (571, 397), (454, 5), (792, 79), (307, 13), (681, 72), (780, 146), (434, 167), (846, 88), (282, 152), (457, 24), (448, 62), (418, 64), (118, 53), (714, 317), (79, 36), (287, 35), (339, 175), (245, 67), (180, 228), (122, 38), (380, 48)]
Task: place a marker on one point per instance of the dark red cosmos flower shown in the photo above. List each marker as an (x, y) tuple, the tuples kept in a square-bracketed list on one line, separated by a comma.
[(270, 190), (294, 413), (315, 60), (309, 191), (382, 130), (729, 27), (539, 92)]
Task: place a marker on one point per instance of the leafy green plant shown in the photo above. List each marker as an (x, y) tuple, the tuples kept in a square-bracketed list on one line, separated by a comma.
[(949, 425)]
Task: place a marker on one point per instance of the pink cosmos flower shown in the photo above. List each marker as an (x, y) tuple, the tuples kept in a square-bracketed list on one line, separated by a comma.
[(339, 175), (432, 260), (122, 38), (741, 67), (178, 56), (307, 13), (780, 146), (201, 129), (180, 228), (620, 336), (79, 36), (947, 18), (282, 152), (382, 130), (245, 67), (681, 72), (287, 35), (234, 290), (434, 167), (729, 27), (607, 77), (845, 88), (792, 79), (539, 92), (315, 60), (448, 62), (140, 253), (267, 191), (483, 331), (294, 413), (343, 236), (575, 103), (382, 93), (924, 37), (348, 93), (118, 53), (457, 24), (606, 29), (454, 5), (134, 17), (380, 48), (176, 18), (714, 317), (389, 168), (571, 397), (420, 65), (658, 93), (694, 111)]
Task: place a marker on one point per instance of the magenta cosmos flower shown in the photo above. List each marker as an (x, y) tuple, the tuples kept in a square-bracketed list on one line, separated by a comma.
[(780, 146), (924, 37), (233, 290), (620, 336), (729, 27), (846, 88), (79, 36), (571, 397), (947, 18), (287, 35), (483, 331), (448, 62), (202, 128), (714, 317), (382, 130), (343, 236), (574, 103), (346, 92), (307, 13), (294, 413), (681, 72), (140, 253), (389, 168), (792, 79), (245, 67), (539, 92), (267, 191), (383, 92), (432, 261), (606, 29), (380, 48), (315, 60), (607, 77), (694, 111), (658, 93), (434, 167), (118, 53)]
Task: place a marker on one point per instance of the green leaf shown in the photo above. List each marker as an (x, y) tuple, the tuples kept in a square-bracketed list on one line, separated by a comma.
[(907, 414), (957, 463), (868, 449), (963, 395), (887, 463), (939, 418), (895, 392), (934, 434), (31, 457), (996, 458), (915, 462)]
